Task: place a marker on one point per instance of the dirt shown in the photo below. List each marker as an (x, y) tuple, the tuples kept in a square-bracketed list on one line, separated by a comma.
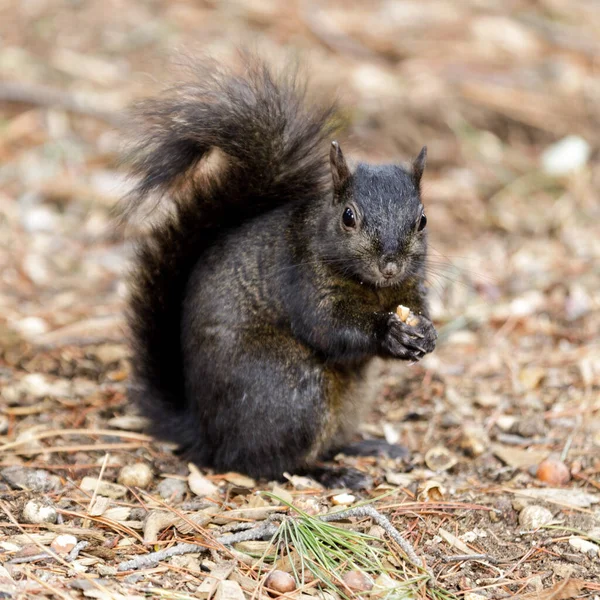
[(514, 279)]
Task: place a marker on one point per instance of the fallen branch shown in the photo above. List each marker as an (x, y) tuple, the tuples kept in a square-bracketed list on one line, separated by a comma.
[(383, 522), (268, 529)]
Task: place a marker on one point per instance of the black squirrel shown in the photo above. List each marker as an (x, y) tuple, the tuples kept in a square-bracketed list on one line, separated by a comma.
[(259, 303)]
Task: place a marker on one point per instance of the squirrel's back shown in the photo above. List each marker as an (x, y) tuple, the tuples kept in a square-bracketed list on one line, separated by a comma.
[(222, 149)]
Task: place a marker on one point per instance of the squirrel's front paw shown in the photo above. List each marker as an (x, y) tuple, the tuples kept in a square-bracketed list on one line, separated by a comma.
[(408, 342)]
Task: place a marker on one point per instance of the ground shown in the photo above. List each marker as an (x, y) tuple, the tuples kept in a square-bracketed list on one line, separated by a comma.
[(508, 101)]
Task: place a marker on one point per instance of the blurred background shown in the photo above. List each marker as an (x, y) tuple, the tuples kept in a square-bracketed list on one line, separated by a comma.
[(505, 94)]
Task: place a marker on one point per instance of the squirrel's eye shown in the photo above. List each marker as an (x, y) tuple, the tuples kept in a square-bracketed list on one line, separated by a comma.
[(422, 222), (348, 218)]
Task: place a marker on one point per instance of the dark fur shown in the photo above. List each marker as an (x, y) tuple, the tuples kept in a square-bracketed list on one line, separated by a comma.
[(254, 313)]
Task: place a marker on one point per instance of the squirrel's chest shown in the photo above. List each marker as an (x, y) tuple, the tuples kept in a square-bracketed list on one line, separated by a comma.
[(382, 299)]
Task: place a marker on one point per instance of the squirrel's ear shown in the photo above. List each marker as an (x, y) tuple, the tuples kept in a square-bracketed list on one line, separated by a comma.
[(419, 165), (339, 168)]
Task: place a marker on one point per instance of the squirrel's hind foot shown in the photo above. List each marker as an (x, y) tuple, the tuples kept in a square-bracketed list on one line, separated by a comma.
[(341, 477)]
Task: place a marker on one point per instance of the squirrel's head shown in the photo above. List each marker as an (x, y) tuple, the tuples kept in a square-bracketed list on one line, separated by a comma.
[(376, 224)]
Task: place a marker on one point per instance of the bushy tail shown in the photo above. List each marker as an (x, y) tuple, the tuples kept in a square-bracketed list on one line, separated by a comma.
[(222, 149)]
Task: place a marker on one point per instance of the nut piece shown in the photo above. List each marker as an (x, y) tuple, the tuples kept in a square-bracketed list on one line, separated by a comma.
[(403, 312), (407, 316)]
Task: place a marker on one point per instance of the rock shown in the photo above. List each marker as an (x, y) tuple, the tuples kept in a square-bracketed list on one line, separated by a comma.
[(36, 480), (172, 490), (343, 499), (534, 517), (104, 488), (136, 475), (357, 581), (280, 581), (553, 471), (39, 511), (584, 546), (506, 422), (566, 156), (63, 544), (40, 218), (29, 327), (3, 424)]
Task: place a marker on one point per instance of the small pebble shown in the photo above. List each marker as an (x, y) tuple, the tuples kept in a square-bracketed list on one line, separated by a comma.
[(534, 516), (357, 581), (37, 511), (343, 499), (566, 156), (172, 490), (584, 546), (63, 544), (136, 475), (36, 480), (280, 581), (553, 472)]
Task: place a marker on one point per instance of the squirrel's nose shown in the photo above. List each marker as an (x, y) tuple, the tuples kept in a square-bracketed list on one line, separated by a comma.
[(388, 268)]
